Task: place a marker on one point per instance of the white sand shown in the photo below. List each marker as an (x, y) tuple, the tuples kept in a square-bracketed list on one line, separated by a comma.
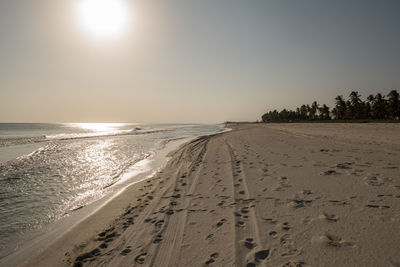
[(267, 195)]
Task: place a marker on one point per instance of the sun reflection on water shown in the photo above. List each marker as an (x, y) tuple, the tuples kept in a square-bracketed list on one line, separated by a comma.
[(98, 127), (99, 159)]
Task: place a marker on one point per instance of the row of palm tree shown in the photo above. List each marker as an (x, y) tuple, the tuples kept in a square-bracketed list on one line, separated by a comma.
[(376, 107)]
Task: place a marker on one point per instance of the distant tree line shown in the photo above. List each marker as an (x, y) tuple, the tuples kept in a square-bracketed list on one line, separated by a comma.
[(376, 107)]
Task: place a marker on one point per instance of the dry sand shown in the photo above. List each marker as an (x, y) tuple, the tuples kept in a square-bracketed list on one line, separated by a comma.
[(260, 195)]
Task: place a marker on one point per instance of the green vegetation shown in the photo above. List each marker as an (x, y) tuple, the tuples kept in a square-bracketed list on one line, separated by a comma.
[(376, 107)]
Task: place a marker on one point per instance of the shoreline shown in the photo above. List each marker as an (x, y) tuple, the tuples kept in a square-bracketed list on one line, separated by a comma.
[(54, 231), (260, 195)]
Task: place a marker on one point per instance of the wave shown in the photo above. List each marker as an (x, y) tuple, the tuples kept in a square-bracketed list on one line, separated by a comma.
[(4, 142), (135, 131), (12, 141), (67, 136)]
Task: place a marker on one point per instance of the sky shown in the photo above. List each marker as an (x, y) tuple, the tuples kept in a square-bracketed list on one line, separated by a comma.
[(203, 61)]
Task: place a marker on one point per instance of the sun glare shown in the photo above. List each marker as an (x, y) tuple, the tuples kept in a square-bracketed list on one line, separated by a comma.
[(97, 127), (104, 18)]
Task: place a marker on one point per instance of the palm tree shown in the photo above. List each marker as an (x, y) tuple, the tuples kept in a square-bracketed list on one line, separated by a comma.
[(367, 110), (308, 111), (321, 113), (340, 108), (334, 113), (357, 110), (379, 106), (355, 97), (393, 105), (303, 112), (298, 114), (284, 115), (324, 111), (314, 109), (349, 113), (375, 107), (370, 104), (370, 98)]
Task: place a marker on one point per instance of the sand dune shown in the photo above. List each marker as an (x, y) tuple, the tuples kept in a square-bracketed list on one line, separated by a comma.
[(260, 195)]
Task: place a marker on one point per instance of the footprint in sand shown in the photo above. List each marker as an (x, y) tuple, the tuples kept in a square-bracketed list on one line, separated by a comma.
[(129, 220), (248, 243), (244, 210), (261, 255), (86, 256), (377, 206), (282, 184), (158, 239), (270, 220), (390, 167), (210, 236), (221, 203), (330, 172), (286, 226), (212, 258), (345, 165), (300, 203), (221, 222), (140, 258), (339, 202), (159, 223), (306, 192), (383, 195), (273, 234), (240, 224), (287, 244), (169, 212), (375, 181), (103, 245), (108, 238), (126, 251), (334, 241), (294, 264), (176, 196), (329, 217)]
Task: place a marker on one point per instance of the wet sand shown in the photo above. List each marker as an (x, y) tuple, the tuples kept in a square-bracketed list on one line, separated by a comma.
[(260, 195)]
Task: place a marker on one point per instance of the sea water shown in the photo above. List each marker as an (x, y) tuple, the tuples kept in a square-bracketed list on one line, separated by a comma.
[(49, 171)]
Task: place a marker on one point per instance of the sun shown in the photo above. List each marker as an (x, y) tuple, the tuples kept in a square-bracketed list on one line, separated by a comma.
[(103, 18)]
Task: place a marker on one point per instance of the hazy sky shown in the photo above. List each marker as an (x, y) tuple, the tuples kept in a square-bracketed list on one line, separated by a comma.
[(193, 61)]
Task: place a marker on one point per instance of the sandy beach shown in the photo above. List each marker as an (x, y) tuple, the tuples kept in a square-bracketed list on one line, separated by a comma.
[(260, 195)]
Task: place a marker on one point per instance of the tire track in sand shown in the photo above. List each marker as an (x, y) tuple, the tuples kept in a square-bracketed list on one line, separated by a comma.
[(167, 253), (248, 245)]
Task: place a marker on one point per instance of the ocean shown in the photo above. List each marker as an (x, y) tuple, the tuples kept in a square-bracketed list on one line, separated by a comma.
[(50, 171)]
